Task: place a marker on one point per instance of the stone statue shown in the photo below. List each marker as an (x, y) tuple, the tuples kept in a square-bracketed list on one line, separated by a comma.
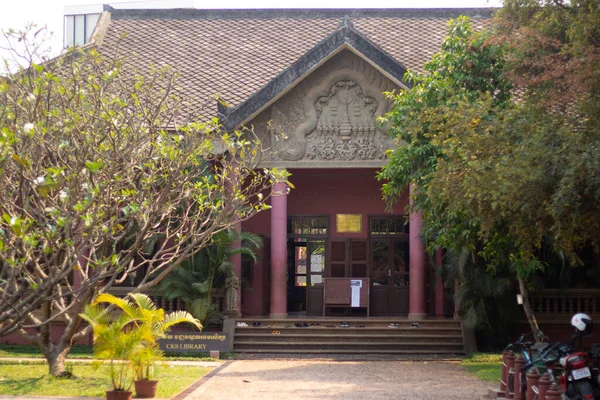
[(232, 284)]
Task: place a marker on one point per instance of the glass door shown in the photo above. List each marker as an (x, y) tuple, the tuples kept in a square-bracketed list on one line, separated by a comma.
[(306, 269), (297, 276), (307, 258)]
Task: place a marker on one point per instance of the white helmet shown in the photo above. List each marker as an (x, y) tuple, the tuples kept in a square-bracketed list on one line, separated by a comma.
[(582, 322)]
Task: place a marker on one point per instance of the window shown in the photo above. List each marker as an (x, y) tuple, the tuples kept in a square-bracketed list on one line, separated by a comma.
[(388, 226), (312, 226), (79, 28)]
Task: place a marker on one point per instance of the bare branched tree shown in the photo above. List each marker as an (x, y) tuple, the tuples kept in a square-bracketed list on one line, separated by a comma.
[(102, 178)]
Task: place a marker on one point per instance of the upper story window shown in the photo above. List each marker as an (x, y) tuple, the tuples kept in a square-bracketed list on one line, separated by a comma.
[(308, 226), (79, 28), (388, 226)]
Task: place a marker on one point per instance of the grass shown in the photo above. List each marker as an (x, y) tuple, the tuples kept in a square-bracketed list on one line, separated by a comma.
[(32, 379), (86, 352), (29, 351), (485, 366)]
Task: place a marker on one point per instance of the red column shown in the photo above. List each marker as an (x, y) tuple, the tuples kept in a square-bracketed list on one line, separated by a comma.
[(439, 287), (416, 302), (279, 250), (231, 185)]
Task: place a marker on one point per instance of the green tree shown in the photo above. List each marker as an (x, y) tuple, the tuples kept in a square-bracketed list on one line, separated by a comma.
[(193, 281), (105, 174), (500, 177), (467, 70)]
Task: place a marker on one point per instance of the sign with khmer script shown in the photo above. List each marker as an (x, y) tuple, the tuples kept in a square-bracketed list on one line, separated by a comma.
[(194, 342)]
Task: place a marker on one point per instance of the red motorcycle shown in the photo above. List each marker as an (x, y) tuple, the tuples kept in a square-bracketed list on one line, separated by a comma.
[(577, 378), (576, 372)]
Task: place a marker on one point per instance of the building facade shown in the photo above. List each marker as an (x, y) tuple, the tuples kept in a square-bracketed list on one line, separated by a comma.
[(311, 85)]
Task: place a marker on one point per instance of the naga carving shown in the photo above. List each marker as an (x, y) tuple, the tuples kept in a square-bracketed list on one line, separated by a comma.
[(330, 117)]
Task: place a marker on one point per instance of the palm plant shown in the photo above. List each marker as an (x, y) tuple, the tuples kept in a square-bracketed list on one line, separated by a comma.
[(192, 282), (131, 335), (485, 299)]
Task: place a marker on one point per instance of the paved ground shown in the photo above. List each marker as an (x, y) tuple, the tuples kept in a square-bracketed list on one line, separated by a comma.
[(326, 379)]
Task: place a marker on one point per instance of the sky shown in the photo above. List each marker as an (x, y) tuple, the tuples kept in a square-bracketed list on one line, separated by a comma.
[(17, 13)]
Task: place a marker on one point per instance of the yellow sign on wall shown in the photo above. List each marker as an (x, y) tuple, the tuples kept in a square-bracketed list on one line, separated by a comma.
[(348, 223)]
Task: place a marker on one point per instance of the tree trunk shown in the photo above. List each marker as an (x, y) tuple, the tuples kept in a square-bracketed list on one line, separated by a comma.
[(528, 311), (56, 361)]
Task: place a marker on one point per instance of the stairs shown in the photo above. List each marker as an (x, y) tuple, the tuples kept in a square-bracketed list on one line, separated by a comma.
[(362, 336)]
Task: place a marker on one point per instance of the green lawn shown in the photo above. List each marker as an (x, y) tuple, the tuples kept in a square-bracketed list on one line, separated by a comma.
[(487, 367), (85, 352), (31, 379), (29, 351)]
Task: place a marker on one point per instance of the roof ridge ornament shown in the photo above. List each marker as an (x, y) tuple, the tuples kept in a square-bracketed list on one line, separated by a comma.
[(346, 23)]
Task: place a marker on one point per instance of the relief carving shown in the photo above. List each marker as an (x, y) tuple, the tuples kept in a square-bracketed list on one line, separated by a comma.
[(332, 116), (346, 124)]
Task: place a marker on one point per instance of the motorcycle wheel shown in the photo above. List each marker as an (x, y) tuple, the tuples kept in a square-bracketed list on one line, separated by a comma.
[(583, 391), (511, 381)]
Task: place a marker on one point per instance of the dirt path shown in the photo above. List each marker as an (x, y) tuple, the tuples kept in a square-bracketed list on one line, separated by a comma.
[(322, 379)]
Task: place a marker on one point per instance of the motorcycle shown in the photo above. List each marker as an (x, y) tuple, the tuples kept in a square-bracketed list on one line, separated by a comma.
[(575, 372), (577, 378)]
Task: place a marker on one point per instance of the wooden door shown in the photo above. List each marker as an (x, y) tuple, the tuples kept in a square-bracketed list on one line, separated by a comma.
[(389, 277)]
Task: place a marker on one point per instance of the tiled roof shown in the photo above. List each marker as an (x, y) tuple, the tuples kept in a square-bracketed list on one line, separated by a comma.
[(234, 53)]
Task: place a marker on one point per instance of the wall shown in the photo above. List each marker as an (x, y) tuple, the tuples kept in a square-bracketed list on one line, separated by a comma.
[(321, 192)]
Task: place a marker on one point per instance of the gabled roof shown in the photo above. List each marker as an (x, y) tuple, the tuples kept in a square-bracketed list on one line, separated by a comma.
[(343, 37), (248, 57)]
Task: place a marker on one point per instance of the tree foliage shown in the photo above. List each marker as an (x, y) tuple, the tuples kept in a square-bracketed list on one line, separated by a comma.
[(193, 281), (501, 137), (104, 175)]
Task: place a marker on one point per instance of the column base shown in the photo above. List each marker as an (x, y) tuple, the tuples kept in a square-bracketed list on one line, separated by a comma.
[(233, 314), (417, 316), (278, 316), (456, 316)]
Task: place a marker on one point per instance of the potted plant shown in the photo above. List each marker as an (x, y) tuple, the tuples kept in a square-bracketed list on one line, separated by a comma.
[(114, 342), (143, 361), (146, 324)]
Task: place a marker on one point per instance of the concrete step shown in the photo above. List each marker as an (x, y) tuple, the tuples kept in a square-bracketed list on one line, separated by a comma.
[(354, 322), (456, 347), (381, 338), (366, 331), (430, 354), (363, 336)]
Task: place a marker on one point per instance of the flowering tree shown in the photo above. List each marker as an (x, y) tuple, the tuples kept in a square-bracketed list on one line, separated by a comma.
[(102, 178)]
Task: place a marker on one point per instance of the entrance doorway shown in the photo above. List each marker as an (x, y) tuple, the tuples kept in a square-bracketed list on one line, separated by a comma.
[(307, 244), (306, 266), (389, 266)]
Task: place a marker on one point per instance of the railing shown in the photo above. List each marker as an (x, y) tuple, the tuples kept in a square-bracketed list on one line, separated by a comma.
[(554, 304), (160, 301)]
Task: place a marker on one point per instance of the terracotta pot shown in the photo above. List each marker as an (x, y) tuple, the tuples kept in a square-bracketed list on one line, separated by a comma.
[(145, 389), (118, 395)]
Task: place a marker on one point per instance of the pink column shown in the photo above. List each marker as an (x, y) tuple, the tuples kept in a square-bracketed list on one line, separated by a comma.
[(439, 288), (416, 301), (279, 250), (231, 185)]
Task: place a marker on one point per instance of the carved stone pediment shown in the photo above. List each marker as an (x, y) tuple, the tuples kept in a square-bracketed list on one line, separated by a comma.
[(346, 124), (331, 117)]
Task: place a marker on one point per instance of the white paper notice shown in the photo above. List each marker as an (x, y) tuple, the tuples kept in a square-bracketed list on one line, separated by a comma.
[(355, 285)]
